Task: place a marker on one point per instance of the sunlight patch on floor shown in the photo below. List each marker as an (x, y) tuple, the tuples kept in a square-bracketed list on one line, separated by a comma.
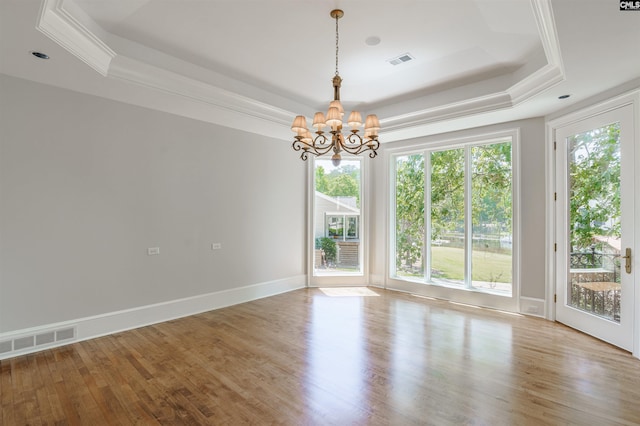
[(347, 291)]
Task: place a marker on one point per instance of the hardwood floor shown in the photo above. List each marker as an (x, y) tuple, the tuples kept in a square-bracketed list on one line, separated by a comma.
[(307, 358)]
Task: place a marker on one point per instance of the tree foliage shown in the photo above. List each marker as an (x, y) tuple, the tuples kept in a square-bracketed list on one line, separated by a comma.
[(409, 210), (329, 247), (447, 192), (594, 182), (343, 181), (490, 197), (321, 180), (491, 188)]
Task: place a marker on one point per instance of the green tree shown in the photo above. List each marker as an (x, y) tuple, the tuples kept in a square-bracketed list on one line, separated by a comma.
[(329, 247), (594, 182), (322, 184), (409, 211), (447, 192), (345, 186), (491, 188), (343, 181), (491, 196)]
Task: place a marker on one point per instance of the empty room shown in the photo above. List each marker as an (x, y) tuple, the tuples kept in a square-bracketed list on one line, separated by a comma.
[(418, 212)]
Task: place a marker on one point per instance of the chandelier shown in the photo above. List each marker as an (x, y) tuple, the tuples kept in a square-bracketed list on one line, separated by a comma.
[(335, 141)]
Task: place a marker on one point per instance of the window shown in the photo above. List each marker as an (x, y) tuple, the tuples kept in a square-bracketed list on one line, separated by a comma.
[(342, 226), (453, 215), (338, 249)]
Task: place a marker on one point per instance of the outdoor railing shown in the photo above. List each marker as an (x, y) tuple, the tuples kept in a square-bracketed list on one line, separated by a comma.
[(595, 283)]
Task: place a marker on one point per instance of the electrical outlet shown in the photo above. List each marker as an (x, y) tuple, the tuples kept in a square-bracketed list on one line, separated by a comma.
[(216, 246), (152, 251)]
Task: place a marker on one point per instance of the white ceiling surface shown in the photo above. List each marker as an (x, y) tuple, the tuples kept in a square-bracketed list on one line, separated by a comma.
[(254, 64)]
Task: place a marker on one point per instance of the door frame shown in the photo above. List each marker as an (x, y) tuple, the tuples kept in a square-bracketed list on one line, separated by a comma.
[(629, 98), (349, 280)]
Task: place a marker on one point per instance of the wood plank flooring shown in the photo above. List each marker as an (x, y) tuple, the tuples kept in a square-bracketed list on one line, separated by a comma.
[(305, 358)]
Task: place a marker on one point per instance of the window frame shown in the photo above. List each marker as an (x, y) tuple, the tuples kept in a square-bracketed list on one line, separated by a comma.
[(421, 286), (345, 225), (338, 279)]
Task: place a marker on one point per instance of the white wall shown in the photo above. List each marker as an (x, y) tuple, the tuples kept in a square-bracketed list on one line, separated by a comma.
[(88, 184), (532, 205)]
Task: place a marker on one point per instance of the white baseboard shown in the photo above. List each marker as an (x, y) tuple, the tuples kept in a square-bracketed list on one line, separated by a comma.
[(35, 339), (376, 280), (532, 306)]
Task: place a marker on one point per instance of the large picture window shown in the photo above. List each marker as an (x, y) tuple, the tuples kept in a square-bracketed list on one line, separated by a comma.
[(453, 217)]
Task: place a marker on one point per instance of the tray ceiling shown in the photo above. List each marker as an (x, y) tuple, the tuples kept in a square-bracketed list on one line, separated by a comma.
[(255, 64)]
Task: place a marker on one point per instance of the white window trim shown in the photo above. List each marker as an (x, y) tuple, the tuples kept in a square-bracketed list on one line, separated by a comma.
[(345, 279), (474, 297)]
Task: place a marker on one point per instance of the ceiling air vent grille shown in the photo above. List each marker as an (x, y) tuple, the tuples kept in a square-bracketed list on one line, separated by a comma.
[(405, 57)]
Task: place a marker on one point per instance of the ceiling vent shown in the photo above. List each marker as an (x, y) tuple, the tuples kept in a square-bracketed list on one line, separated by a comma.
[(405, 57)]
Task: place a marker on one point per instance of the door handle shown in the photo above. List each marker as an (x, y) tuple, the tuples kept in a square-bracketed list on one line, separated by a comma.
[(627, 263)]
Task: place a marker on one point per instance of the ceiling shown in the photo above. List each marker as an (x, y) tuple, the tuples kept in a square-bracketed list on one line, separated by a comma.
[(255, 64)]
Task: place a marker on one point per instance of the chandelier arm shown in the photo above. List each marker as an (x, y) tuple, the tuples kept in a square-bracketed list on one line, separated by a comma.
[(320, 141), (300, 145), (321, 145), (355, 150), (357, 145), (355, 139), (305, 150)]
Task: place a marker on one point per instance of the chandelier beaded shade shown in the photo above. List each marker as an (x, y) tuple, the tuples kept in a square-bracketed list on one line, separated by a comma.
[(334, 140)]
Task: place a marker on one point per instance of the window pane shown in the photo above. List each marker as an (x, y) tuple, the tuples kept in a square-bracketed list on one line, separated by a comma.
[(465, 238), (410, 229), (335, 226), (337, 211), (594, 220), (352, 227), (491, 261), (447, 217)]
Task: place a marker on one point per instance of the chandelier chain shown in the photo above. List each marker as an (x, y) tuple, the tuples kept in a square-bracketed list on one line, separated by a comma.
[(337, 46)]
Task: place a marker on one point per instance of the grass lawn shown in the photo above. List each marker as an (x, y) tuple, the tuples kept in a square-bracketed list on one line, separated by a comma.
[(486, 266)]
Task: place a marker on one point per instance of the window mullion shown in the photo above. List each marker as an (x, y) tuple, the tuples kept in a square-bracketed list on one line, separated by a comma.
[(426, 254), (468, 223)]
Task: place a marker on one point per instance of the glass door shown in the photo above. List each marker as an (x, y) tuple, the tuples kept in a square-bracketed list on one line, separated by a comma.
[(595, 179)]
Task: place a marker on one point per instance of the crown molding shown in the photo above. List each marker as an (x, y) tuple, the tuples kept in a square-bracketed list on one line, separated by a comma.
[(138, 72), (60, 21), (537, 82), (57, 22), (449, 111), (552, 73)]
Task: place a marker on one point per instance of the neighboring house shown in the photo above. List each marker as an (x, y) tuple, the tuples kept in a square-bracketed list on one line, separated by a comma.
[(338, 218)]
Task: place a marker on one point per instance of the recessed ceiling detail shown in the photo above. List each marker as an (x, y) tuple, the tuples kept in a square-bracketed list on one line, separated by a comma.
[(58, 22), (426, 92), (372, 41)]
